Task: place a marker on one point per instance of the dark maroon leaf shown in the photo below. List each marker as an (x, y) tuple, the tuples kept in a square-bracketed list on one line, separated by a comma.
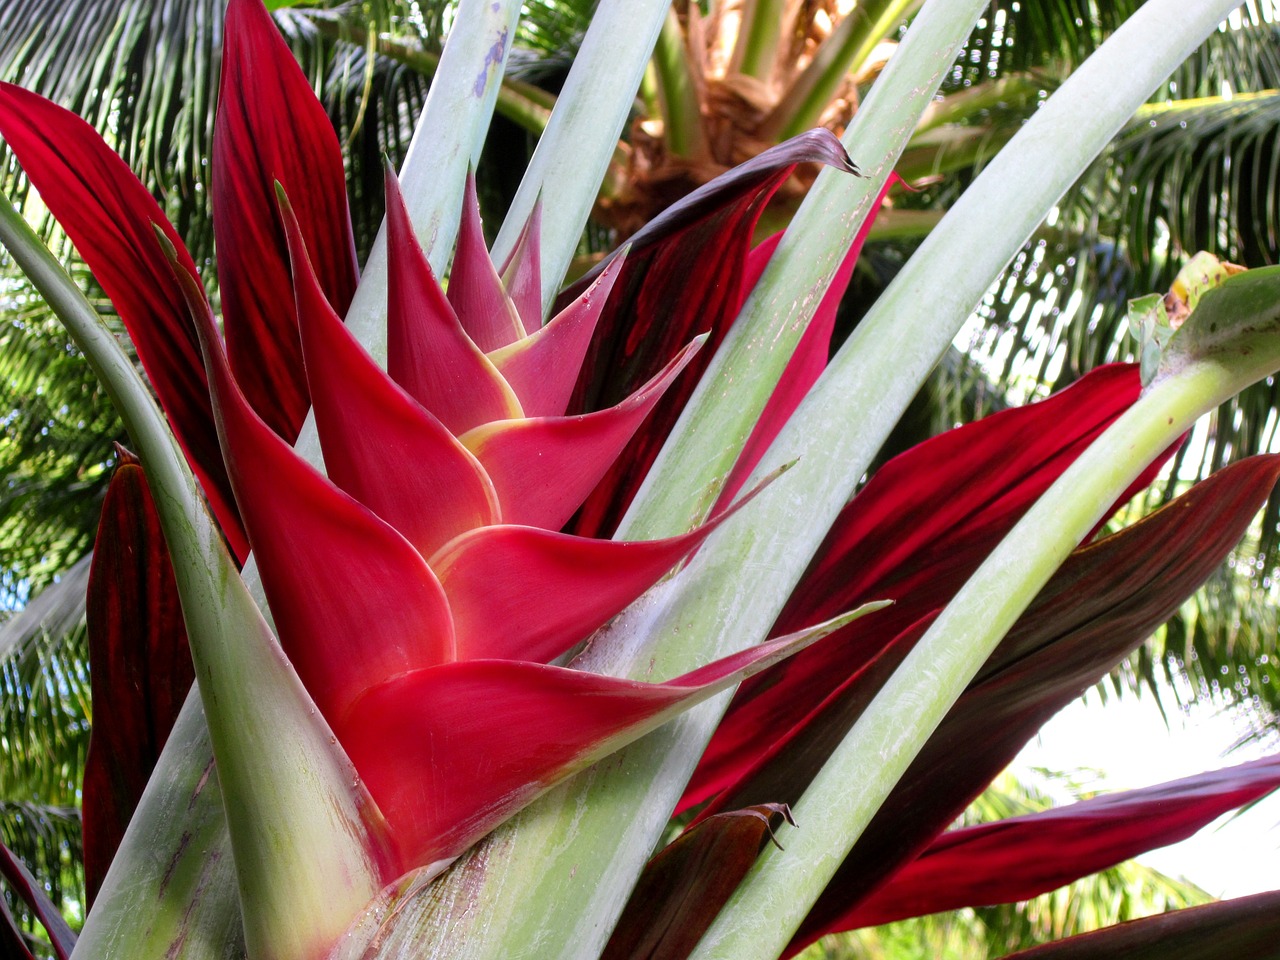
[(139, 663), (111, 218), (683, 276), (271, 128), (914, 535), (31, 892), (1247, 928), (683, 888), (1023, 857), (1104, 601)]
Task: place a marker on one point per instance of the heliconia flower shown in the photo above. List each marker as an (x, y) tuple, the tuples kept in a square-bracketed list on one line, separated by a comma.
[(465, 454), (420, 623)]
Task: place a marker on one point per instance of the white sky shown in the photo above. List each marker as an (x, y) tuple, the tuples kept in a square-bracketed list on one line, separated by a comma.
[(1127, 741)]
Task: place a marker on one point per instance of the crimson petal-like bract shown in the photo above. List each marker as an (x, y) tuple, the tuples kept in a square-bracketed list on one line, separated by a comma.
[(271, 128), (109, 216), (543, 468), (326, 560), (379, 444), (475, 289), (428, 352)]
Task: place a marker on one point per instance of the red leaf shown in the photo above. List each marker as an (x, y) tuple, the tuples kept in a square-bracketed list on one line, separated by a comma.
[(1023, 857), (428, 352), (683, 276), (914, 534), (543, 468), (271, 128), (683, 888), (475, 290), (328, 563), (1247, 928), (524, 726), (1104, 601), (110, 216), (379, 444), (140, 665)]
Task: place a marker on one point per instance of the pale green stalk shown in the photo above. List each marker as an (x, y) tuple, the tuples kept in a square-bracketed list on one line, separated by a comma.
[(304, 854), (446, 143), (845, 51), (757, 46), (1231, 341), (573, 154), (556, 877), (681, 112)]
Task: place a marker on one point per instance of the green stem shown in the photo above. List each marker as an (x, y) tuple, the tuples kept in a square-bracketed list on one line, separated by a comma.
[(769, 906), (580, 140), (681, 113), (844, 52), (758, 36)]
